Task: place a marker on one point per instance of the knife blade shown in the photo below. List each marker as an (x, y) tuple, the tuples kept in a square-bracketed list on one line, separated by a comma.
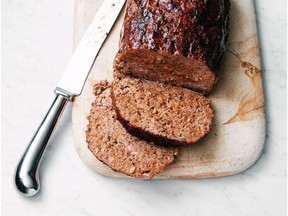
[(71, 84), (79, 66)]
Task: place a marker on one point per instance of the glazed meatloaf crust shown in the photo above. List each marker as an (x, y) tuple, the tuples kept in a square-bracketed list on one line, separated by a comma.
[(180, 42), (112, 145), (165, 114)]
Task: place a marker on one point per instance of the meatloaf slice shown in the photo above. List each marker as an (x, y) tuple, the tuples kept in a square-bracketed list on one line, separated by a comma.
[(180, 42), (112, 145), (165, 114)]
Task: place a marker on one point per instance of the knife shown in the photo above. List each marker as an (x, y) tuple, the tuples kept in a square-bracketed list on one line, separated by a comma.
[(70, 85)]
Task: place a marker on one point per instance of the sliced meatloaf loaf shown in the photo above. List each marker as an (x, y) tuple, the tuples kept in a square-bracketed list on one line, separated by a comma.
[(112, 145), (180, 42), (165, 114)]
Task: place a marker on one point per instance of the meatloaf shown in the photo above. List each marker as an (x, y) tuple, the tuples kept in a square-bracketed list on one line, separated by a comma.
[(165, 114), (112, 145), (180, 42)]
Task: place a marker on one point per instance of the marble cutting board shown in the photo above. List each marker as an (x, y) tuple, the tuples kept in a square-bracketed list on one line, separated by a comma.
[(237, 138)]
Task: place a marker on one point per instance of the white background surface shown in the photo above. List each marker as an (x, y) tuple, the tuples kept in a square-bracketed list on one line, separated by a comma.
[(37, 42)]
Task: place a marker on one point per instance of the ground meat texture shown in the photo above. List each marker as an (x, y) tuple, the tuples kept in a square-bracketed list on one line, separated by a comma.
[(180, 42), (111, 144), (165, 114)]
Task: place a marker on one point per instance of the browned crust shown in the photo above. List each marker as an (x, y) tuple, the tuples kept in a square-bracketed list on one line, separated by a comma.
[(194, 29)]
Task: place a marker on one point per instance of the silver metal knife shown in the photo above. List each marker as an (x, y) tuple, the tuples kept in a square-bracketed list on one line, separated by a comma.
[(70, 85)]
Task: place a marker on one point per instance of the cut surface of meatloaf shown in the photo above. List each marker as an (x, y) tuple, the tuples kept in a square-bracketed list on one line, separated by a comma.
[(112, 145), (180, 42), (165, 114)]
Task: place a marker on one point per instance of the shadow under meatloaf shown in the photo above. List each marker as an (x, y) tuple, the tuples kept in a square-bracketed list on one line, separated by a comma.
[(162, 113), (177, 42), (112, 145)]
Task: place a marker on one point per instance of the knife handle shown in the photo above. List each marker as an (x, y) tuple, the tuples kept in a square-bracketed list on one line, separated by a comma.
[(27, 172)]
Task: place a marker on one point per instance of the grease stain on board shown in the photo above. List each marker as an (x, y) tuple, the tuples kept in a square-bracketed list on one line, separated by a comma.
[(251, 105)]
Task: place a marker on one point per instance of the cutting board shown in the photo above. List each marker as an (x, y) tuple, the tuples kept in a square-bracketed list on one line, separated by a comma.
[(237, 138)]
